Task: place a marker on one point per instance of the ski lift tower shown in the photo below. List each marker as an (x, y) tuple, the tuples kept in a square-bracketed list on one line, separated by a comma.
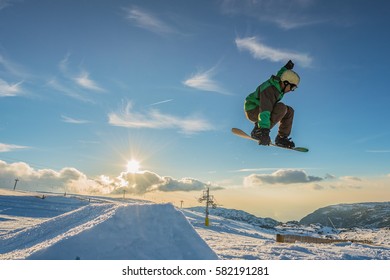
[(16, 182), (209, 202)]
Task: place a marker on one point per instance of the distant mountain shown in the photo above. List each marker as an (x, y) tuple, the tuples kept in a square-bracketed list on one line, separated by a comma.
[(239, 215), (362, 215)]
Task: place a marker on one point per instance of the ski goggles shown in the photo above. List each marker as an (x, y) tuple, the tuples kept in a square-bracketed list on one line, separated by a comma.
[(293, 87)]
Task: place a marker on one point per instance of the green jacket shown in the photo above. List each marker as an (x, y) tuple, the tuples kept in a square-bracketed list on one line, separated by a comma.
[(265, 97)]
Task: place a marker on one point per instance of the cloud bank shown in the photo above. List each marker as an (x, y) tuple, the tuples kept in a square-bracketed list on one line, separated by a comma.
[(72, 180), (282, 176), (147, 181), (41, 179)]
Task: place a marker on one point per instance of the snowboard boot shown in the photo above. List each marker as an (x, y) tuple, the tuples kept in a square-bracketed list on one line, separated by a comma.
[(284, 142), (256, 132)]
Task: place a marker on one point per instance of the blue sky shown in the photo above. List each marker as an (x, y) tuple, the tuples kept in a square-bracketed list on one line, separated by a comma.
[(87, 86)]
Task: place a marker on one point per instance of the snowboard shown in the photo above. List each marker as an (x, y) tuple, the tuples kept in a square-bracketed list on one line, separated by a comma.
[(243, 134)]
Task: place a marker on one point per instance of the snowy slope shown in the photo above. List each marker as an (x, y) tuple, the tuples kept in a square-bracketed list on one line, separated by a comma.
[(77, 227), (97, 229), (134, 232), (232, 239)]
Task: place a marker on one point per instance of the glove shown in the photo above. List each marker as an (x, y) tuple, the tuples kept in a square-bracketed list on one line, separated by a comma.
[(289, 65), (264, 138)]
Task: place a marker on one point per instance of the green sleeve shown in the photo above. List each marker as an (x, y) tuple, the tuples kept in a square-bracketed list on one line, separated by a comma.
[(268, 98), (265, 119)]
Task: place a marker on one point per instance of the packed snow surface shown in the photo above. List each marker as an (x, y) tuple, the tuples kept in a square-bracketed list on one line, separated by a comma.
[(49, 226), (67, 228), (237, 240)]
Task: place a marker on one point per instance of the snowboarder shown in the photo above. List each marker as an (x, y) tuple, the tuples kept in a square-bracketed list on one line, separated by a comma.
[(264, 109)]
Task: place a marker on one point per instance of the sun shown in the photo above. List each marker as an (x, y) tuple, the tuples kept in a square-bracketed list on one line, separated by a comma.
[(133, 166)]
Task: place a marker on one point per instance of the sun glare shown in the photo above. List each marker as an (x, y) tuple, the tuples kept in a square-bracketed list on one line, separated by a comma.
[(133, 166)]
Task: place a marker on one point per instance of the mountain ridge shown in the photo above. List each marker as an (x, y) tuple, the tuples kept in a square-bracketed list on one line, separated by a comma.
[(239, 215), (362, 215), (345, 215)]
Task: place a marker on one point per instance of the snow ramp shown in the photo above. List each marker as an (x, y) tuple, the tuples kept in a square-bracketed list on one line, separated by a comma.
[(134, 232)]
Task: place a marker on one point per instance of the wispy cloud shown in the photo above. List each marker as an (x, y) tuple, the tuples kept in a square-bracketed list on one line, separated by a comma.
[(4, 4), (82, 79), (74, 85), (372, 138), (160, 102), (264, 52), (204, 81), (73, 121), (148, 21), (262, 169), (86, 82), (291, 14), (7, 90), (288, 23), (244, 170), (67, 90), (153, 118), (10, 147), (13, 68), (350, 178), (10, 70), (63, 65)]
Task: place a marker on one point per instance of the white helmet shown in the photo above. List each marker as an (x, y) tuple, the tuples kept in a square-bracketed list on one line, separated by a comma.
[(291, 77)]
